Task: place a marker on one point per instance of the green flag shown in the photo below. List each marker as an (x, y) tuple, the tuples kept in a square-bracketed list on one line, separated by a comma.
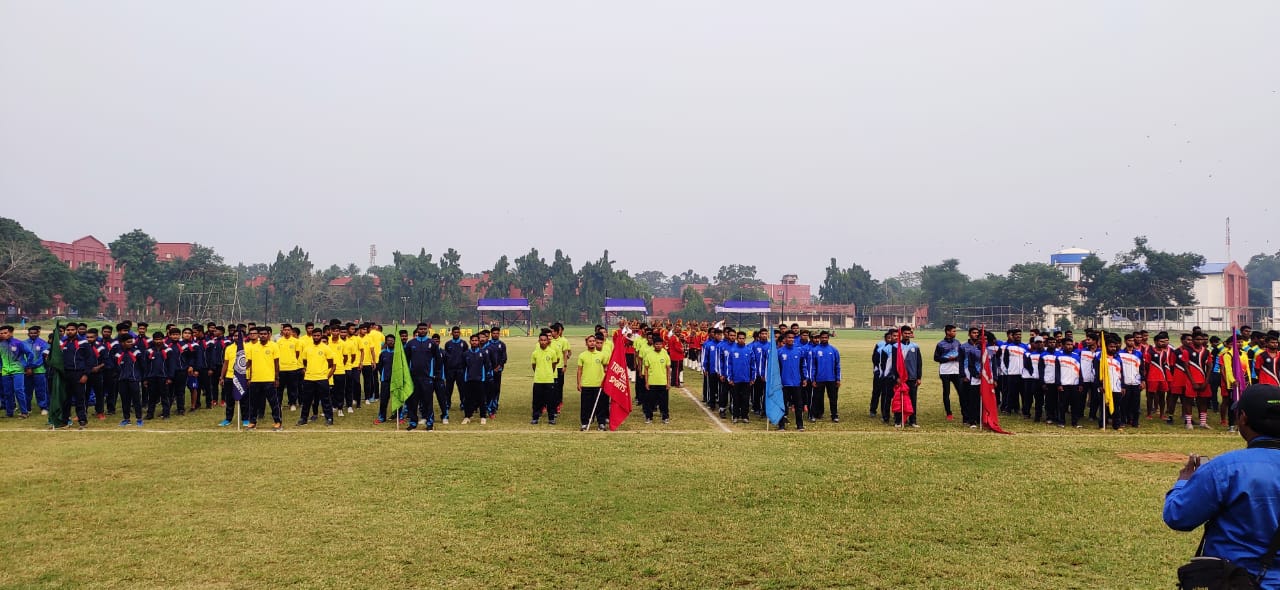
[(401, 384), (56, 374)]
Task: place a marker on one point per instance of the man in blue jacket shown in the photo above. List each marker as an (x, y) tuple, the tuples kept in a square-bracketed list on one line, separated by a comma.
[(1236, 496), (710, 361), (454, 371), (421, 353), (826, 377), (498, 358), (476, 369), (789, 370), (738, 378)]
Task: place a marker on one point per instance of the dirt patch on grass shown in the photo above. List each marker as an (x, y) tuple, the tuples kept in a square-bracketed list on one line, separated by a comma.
[(1155, 457)]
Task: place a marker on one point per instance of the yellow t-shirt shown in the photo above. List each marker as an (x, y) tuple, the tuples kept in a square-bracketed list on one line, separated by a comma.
[(562, 344), (339, 355), (229, 357), (351, 348), (544, 364), (317, 360), (658, 364), (262, 362), (289, 349), (592, 364), (372, 344)]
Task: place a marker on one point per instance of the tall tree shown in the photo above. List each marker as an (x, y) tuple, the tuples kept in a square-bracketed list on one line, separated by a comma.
[(655, 282), (84, 291), (1033, 285), (737, 282), (850, 285), (532, 274), (564, 289), (694, 308), (420, 282), (452, 301), (501, 279), (1141, 277), (687, 277), (1262, 269), (288, 280), (135, 252), (30, 275)]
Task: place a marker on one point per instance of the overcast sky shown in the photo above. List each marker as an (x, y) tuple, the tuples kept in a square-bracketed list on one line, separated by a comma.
[(677, 134)]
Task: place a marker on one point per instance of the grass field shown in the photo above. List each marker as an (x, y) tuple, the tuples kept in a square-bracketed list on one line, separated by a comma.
[(184, 504)]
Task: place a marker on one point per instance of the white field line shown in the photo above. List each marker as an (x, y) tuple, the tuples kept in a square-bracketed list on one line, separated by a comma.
[(714, 419)]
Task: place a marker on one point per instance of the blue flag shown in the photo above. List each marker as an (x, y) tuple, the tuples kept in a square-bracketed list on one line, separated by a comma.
[(239, 370), (774, 405)]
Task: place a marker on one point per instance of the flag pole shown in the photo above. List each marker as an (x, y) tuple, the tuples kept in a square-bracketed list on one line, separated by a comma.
[(237, 402), (594, 406)]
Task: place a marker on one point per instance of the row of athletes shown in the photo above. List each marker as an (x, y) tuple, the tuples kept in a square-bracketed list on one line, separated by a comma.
[(1197, 373), (339, 365)]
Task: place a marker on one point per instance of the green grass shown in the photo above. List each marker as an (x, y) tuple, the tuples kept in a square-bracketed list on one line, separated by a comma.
[(510, 505)]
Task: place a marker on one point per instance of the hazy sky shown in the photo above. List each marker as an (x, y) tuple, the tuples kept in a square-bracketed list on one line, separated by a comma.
[(677, 134)]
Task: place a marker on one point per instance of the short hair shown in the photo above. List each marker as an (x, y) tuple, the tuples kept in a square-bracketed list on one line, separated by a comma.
[(6, 327), (948, 327), (455, 328)]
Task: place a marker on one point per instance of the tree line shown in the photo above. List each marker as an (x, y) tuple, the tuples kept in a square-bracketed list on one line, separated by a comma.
[(426, 285)]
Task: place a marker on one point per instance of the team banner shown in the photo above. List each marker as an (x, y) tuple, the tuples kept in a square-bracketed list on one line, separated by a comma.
[(617, 383)]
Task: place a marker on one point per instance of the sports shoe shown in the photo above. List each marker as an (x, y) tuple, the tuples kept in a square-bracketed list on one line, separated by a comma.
[(139, 424), (835, 419), (1205, 425), (551, 421), (666, 420), (302, 423), (431, 427), (746, 420), (446, 421), (124, 422), (253, 426), (896, 425), (914, 425), (328, 422), (483, 421), (466, 420), (1224, 423), (1190, 427), (277, 427), (533, 421), (723, 413), (224, 423), (44, 412), (602, 427), (102, 416), (244, 423), (871, 414), (24, 416), (583, 428), (411, 426), (377, 421), (650, 420), (973, 426), (293, 408), (799, 429), (1231, 429), (950, 418), (340, 414), (350, 409)]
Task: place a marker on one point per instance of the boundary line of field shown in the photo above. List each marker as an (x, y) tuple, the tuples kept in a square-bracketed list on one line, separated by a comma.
[(714, 419), (655, 431)]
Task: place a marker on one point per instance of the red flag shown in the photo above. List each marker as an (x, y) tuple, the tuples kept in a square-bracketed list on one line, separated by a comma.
[(990, 413), (901, 392), (617, 383)]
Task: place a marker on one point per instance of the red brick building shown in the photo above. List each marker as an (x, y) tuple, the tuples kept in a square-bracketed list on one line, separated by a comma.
[(91, 250)]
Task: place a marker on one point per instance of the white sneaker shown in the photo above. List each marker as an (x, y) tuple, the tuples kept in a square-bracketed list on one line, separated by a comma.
[(351, 410), (293, 408), (444, 421), (340, 414), (466, 420), (483, 421), (44, 412)]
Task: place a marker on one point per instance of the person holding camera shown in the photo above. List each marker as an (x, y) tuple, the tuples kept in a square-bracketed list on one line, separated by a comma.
[(1236, 496)]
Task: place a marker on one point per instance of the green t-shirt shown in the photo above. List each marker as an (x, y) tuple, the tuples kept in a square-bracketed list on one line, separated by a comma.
[(592, 364), (658, 364), (544, 364)]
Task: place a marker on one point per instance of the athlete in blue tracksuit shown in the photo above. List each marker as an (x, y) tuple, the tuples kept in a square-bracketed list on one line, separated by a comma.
[(710, 361), (738, 363), (476, 370), (39, 357), (790, 370), (454, 350), (498, 360), (385, 359), (826, 377), (422, 354)]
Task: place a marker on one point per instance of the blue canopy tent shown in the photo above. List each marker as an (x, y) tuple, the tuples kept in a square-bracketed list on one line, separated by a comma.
[(502, 306), (619, 306)]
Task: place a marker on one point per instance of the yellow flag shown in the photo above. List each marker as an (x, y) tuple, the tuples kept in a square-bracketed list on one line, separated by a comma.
[(1104, 372)]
